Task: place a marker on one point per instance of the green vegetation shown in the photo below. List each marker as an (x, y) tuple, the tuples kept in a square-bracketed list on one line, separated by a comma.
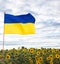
[(30, 56)]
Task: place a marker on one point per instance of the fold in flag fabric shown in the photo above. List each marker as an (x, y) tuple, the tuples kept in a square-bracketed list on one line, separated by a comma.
[(19, 24)]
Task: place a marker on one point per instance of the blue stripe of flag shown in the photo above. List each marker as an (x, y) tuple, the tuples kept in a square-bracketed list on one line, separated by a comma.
[(27, 18)]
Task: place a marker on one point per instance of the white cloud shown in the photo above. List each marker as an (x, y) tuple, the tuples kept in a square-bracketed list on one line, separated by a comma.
[(47, 15)]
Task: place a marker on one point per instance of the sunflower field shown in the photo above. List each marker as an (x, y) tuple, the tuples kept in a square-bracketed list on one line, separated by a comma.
[(30, 56)]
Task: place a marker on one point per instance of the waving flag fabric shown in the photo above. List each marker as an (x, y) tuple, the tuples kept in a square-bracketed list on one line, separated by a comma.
[(20, 24)]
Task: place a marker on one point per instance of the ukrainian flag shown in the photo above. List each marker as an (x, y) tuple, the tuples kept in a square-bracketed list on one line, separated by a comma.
[(20, 24)]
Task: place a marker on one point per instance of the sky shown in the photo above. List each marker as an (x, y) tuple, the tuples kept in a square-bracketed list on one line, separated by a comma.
[(47, 24)]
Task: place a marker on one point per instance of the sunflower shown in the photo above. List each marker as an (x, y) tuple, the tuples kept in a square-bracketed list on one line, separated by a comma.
[(53, 50), (7, 56), (31, 61), (41, 59), (57, 50), (31, 50), (24, 50), (37, 62), (57, 56), (51, 62), (51, 57), (29, 58), (36, 58), (38, 53), (48, 58)]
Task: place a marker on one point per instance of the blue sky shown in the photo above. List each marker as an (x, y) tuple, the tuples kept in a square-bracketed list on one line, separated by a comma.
[(47, 15)]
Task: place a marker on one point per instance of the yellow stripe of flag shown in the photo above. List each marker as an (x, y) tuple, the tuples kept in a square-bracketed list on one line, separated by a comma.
[(19, 28)]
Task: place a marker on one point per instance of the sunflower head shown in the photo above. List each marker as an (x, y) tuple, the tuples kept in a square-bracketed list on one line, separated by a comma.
[(53, 50), (31, 50), (7, 56), (38, 62), (24, 50), (51, 62), (51, 56), (38, 53), (41, 59), (57, 56), (36, 57), (31, 61), (48, 58), (30, 58)]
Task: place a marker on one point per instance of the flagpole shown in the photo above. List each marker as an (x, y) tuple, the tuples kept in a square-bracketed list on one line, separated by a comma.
[(3, 35), (3, 40), (3, 43)]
